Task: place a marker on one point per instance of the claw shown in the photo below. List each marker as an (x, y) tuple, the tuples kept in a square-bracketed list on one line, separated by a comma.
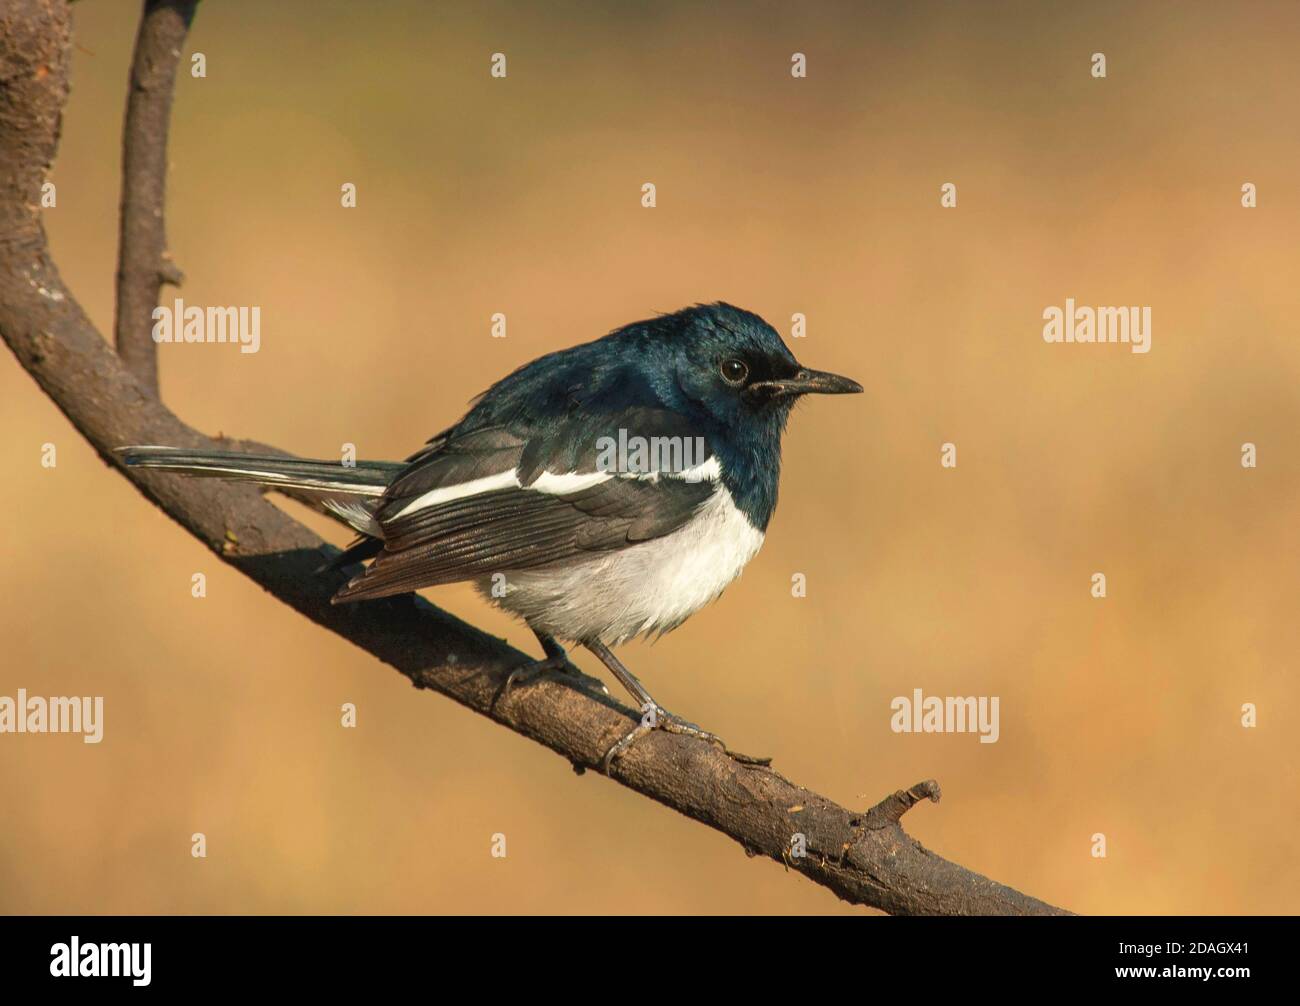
[(526, 673), (658, 718)]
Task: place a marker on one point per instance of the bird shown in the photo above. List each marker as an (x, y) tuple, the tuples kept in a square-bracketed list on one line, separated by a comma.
[(599, 493)]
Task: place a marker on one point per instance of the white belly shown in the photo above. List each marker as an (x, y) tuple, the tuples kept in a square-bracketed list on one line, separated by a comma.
[(651, 587)]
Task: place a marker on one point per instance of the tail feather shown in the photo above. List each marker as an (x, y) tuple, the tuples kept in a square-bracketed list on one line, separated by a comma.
[(366, 478), (350, 492)]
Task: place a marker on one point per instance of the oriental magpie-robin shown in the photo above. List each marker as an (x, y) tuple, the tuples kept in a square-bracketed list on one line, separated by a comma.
[(598, 493)]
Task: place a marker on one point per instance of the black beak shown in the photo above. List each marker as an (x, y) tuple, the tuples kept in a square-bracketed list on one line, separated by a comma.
[(809, 382)]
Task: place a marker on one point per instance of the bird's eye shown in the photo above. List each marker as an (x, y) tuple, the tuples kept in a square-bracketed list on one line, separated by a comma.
[(734, 371)]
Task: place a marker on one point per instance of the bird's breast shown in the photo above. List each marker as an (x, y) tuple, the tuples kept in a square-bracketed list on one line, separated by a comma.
[(649, 587)]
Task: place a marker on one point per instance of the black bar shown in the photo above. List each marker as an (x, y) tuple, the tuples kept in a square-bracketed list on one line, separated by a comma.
[(441, 954)]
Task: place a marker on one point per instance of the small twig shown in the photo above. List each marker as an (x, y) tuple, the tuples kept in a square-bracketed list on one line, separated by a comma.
[(143, 263), (891, 809)]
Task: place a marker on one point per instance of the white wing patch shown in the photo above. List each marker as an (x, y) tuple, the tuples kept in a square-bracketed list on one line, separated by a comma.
[(445, 494), (552, 483)]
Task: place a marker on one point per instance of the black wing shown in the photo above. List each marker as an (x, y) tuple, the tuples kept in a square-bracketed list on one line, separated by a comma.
[(518, 526)]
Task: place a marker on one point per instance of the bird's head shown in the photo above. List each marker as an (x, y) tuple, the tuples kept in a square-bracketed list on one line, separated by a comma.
[(730, 365)]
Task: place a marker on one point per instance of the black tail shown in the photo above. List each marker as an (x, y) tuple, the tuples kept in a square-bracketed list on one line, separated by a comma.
[(366, 478), (347, 491)]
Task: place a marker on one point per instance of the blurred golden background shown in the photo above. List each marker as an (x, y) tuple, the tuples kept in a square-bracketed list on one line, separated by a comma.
[(522, 196)]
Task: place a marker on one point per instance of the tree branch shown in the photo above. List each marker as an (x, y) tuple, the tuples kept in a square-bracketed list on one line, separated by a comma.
[(865, 858), (143, 263)]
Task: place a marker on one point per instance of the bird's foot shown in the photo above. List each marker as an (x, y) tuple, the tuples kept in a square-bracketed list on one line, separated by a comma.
[(658, 718), (525, 674)]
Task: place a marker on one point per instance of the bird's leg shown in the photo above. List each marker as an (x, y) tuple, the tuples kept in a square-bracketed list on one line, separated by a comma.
[(655, 717), (556, 659)]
